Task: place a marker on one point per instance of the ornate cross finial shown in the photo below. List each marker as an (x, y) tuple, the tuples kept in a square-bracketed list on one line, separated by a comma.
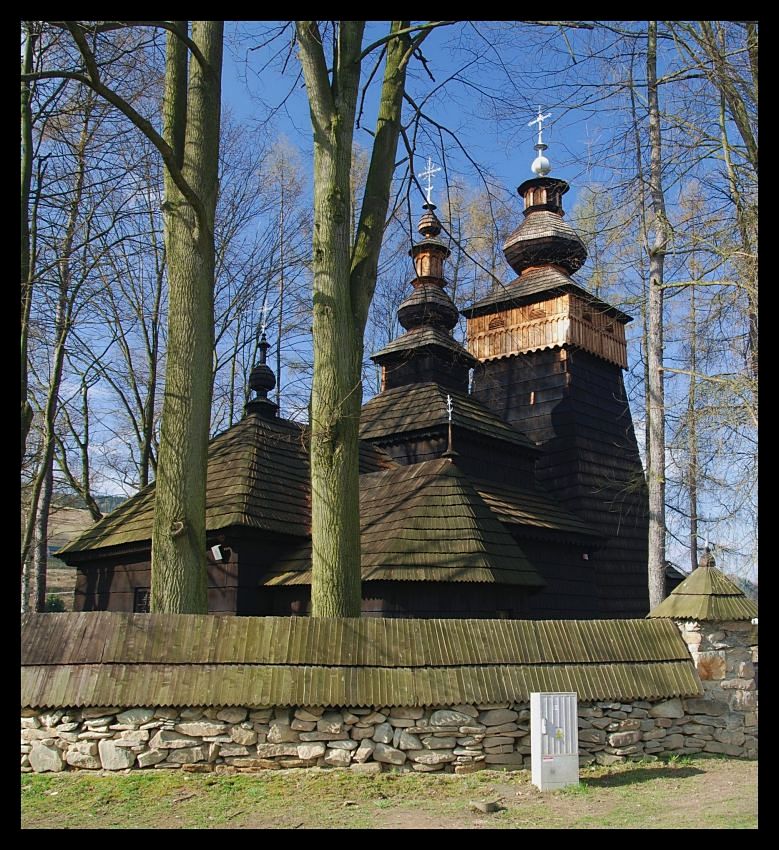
[(539, 119), (429, 172), (450, 453), (449, 406), (264, 317)]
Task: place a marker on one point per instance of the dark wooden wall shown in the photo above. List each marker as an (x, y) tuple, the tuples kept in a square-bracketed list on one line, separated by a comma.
[(575, 404), (479, 457), (420, 599), (419, 367)]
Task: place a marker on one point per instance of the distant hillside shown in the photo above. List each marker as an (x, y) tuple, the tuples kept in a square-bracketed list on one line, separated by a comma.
[(748, 587), (71, 500)]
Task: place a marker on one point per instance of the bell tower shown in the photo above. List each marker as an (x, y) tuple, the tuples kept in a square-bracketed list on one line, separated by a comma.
[(551, 358)]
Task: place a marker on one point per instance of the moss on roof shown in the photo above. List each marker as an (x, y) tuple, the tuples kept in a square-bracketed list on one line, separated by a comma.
[(180, 659), (258, 477), (425, 522), (420, 407), (706, 594)]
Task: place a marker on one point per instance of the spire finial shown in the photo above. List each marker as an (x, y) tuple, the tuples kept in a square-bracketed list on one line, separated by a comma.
[(541, 165), (264, 316), (429, 172), (450, 452)]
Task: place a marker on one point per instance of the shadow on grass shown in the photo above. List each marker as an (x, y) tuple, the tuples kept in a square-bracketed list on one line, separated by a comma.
[(640, 774)]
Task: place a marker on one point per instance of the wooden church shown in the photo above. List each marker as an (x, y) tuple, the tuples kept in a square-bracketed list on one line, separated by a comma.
[(521, 498)]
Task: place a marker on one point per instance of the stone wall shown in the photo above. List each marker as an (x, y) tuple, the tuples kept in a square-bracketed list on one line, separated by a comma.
[(459, 739)]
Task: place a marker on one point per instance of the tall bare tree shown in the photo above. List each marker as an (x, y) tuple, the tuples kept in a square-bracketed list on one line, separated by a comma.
[(344, 281)]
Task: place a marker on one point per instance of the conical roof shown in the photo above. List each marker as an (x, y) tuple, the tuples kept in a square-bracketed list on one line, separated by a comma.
[(706, 594)]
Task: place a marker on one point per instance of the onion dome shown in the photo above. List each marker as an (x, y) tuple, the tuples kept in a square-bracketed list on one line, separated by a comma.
[(261, 382), (544, 238), (427, 350)]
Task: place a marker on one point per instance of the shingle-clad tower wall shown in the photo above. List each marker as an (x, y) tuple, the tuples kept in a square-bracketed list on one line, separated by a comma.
[(551, 359)]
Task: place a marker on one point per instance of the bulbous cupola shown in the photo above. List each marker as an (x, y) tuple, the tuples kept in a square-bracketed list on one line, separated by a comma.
[(427, 350), (261, 382), (428, 304), (543, 238)]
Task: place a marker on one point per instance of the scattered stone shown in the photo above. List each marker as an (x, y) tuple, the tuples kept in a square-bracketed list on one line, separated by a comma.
[(303, 725), (83, 756), (309, 713), (502, 748), (115, 758), (486, 807), (255, 764), (473, 729), (94, 736), (515, 758), (498, 741), (438, 742), (673, 742), (426, 768), (344, 745), (197, 768)]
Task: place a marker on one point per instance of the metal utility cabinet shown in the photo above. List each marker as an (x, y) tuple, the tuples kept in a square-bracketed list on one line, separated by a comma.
[(554, 741)]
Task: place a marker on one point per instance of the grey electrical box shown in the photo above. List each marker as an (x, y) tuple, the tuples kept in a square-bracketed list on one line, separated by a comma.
[(554, 741)]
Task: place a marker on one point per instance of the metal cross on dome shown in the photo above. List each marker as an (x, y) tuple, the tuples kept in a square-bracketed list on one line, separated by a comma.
[(449, 406), (429, 172), (264, 319), (539, 119)]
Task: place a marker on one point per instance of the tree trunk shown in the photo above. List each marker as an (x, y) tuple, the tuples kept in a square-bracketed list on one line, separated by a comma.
[(178, 536), (344, 282), (692, 434), (40, 554), (656, 464), (25, 256)]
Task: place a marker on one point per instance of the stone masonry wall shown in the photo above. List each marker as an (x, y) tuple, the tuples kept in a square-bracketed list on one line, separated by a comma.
[(722, 655), (459, 739)]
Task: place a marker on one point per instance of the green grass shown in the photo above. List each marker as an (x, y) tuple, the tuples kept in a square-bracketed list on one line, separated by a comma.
[(701, 793)]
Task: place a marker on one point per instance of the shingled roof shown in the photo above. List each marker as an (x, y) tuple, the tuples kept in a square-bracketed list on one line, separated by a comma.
[(536, 281), (421, 407), (423, 337), (706, 594), (257, 478), (538, 515), (425, 522), (99, 659)]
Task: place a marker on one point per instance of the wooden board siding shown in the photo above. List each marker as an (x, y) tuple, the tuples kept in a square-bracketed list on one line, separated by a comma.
[(555, 321), (575, 405), (138, 660)]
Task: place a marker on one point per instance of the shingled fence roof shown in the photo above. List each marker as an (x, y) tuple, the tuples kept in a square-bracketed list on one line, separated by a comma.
[(706, 594), (119, 659)]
